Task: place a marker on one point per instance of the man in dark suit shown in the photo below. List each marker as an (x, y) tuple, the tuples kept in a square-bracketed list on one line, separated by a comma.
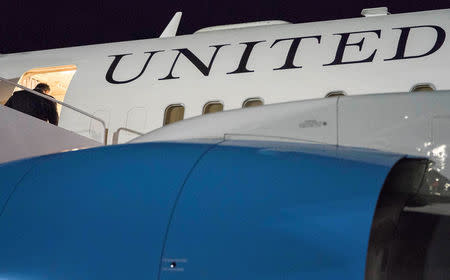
[(34, 105)]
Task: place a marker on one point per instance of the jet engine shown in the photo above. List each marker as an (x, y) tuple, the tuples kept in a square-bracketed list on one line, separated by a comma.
[(232, 209)]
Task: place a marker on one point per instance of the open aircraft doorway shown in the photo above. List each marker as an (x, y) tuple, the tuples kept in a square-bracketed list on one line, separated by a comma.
[(57, 77)]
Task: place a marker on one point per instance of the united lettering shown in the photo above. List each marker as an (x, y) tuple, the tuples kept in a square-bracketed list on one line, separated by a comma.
[(292, 46)]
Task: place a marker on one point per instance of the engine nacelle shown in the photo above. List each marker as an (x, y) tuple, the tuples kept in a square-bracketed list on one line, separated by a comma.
[(228, 210)]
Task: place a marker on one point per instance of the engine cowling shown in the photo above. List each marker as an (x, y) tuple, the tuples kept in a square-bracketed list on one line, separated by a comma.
[(234, 209)]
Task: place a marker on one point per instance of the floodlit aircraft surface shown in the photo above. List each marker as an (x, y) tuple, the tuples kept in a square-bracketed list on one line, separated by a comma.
[(222, 210), (143, 85), (237, 196), (411, 123)]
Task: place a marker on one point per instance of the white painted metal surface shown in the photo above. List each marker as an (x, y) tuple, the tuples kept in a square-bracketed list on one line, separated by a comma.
[(415, 124), (23, 136), (375, 12), (309, 121), (410, 123), (171, 78), (242, 25), (172, 28)]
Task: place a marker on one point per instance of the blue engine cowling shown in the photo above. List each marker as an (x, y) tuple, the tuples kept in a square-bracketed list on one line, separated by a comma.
[(228, 210)]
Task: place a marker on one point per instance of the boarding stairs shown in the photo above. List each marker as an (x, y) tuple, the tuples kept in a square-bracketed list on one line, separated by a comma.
[(23, 136)]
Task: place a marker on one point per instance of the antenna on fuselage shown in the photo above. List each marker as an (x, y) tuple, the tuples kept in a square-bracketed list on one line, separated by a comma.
[(172, 27), (375, 12)]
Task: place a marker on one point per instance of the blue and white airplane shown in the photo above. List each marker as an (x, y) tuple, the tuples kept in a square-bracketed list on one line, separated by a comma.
[(285, 191), (143, 85)]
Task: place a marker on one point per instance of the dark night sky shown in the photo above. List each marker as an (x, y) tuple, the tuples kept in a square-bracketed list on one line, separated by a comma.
[(36, 25)]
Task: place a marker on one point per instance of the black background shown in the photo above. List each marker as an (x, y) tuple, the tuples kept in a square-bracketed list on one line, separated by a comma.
[(36, 25)]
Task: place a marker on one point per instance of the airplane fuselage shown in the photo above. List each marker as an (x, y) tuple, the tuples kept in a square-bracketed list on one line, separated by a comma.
[(131, 84)]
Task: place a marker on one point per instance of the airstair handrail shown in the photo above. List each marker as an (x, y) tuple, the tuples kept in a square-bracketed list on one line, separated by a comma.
[(116, 134), (62, 104)]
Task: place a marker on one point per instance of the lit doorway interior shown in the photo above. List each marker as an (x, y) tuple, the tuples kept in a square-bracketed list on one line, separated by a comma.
[(58, 78)]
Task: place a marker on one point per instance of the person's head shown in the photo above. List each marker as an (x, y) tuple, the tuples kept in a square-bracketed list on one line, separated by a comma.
[(43, 88)]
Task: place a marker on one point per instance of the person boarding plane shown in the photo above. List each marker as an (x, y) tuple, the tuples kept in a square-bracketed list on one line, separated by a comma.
[(239, 194), (129, 88)]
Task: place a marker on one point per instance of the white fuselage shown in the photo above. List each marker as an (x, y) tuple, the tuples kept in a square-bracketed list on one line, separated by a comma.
[(130, 84)]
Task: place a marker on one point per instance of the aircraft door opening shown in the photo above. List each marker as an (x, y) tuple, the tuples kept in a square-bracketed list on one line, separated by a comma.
[(58, 78)]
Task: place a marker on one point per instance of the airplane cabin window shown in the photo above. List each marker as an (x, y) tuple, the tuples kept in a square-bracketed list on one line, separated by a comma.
[(252, 102), (212, 107), (58, 78), (335, 93), (423, 87), (173, 114)]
